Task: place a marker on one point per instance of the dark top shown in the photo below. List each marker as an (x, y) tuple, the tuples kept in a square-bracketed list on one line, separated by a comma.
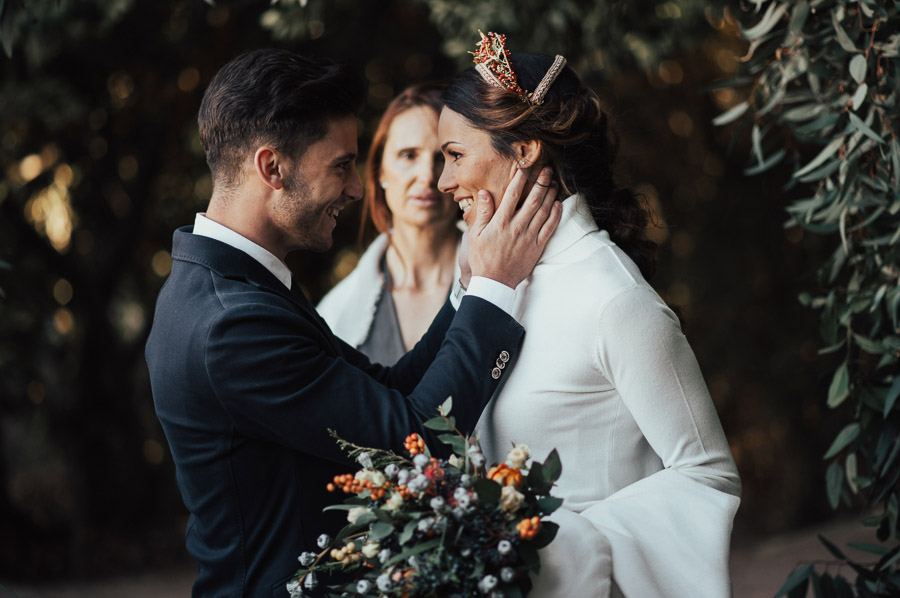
[(247, 379)]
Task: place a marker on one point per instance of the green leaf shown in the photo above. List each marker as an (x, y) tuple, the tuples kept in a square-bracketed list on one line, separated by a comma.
[(766, 164), (859, 96), (446, 407), (828, 151), (417, 549), (440, 424), (891, 397), (841, 35), (798, 576), (380, 530), (834, 481), (863, 128), (858, 68), (488, 491), (552, 467), (456, 442), (548, 504), (867, 344), (832, 548), (545, 534), (840, 386), (731, 114), (769, 20), (408, 531), (844, 438)]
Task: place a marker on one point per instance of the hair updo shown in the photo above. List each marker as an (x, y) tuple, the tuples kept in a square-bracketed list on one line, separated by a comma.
[(577, 143)]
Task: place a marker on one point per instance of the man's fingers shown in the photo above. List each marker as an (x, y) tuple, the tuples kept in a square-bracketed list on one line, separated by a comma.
[(550, 225), (507, 207), (536, 197), (544, 210), (484, 209)]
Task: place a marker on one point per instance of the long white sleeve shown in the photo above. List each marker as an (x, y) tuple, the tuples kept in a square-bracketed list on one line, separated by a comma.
[(669, 532)]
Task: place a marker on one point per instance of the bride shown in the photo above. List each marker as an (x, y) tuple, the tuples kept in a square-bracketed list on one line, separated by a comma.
[(605, 374)]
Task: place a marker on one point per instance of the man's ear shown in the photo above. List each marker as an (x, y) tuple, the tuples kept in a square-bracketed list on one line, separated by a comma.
[(528, 153), (269, 166)]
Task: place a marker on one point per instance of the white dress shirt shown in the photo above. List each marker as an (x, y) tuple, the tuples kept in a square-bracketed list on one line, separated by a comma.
[(205, 227), (490, 290), (606, 376)]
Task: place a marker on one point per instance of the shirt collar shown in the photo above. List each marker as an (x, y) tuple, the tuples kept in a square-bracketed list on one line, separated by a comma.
[(576, 222), (205, 227)]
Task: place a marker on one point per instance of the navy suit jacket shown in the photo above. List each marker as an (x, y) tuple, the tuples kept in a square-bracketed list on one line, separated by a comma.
[(246, 380)]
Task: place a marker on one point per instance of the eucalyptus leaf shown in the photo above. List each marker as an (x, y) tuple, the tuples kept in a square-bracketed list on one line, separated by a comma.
[(828, 151), (798, 576), (858, 68), (834, 481), (891, 397), (859, 96), (863, 128), (440, 424), (732, 114), (844, 438)]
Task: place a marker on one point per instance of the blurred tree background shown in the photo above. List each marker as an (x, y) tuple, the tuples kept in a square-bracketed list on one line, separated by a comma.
[(101, 162)]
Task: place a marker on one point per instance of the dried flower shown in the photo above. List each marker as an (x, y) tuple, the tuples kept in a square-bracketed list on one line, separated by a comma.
[(363, 586), (307, 558), (370, 549), (507, 574), (518, 456), (505, 475), (510, 499), (504, 547), (355, 513), (323, 541), (394, 502)]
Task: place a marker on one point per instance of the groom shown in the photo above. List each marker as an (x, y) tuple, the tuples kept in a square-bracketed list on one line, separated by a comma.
[(247, 378)]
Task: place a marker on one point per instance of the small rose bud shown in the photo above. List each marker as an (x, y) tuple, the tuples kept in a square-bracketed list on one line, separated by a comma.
[(437, 503), (507, 574), (459, 492), (464, 501), (323, 541), (420, 461), (391, 471), (465, 480), (363, 586)]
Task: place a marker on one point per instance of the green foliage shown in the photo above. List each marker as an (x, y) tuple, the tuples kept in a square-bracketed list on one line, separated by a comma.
[(613, 35), (824, 80)]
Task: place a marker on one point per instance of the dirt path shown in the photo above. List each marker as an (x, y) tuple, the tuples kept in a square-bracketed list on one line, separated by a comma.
[(758, 569)]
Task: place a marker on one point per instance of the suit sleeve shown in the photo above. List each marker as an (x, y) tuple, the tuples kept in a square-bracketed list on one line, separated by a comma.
[(279, 384), (408, 371), (669, 532)]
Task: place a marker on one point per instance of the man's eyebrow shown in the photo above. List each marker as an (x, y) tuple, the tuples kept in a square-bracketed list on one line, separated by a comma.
[(444, 146), (348, 157)]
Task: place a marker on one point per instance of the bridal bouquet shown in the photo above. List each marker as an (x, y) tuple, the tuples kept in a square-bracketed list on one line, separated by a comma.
[(422, 526)]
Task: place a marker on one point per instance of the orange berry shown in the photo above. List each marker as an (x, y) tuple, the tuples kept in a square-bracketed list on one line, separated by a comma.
[(330, 487)]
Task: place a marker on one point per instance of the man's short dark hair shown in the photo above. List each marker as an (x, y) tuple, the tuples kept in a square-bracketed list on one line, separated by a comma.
[(272, 96)]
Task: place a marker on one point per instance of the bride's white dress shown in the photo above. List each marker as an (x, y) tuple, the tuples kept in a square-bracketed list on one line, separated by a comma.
[(607, 378)]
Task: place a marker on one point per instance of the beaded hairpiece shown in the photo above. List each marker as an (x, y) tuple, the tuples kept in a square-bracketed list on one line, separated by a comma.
[(491, 58)]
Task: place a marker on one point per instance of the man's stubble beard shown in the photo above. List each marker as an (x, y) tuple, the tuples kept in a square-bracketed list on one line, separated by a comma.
[(303, 222)]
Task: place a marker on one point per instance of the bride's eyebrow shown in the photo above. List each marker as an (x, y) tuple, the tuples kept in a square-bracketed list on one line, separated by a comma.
[(444, 146)]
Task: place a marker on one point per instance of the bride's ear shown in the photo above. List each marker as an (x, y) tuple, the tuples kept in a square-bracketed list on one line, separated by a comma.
[(528, 153)]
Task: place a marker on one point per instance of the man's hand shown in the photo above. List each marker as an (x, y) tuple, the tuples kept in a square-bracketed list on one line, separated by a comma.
[(505, 246)]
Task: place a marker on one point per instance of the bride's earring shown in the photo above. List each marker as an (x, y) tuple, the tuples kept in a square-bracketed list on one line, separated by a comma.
[(383, 184), (523, 163)]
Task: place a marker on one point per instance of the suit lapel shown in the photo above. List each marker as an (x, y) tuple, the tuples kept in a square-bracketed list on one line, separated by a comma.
[(229, 262)]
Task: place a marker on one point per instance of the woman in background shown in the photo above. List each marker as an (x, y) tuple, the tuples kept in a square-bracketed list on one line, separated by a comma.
[(401, 281)]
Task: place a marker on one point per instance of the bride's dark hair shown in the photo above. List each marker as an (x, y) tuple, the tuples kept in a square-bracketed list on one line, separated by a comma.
[(576, 138)]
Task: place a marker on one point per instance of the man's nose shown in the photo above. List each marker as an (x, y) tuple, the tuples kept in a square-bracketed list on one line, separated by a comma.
[(354, 190)]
